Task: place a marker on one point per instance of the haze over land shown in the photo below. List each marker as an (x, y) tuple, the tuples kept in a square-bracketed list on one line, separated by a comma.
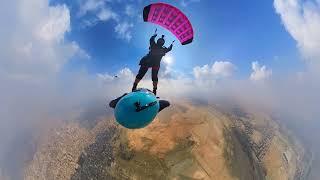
[(186, 141)]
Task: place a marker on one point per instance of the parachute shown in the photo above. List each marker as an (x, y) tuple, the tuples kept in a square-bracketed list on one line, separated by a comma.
[(170, 18)]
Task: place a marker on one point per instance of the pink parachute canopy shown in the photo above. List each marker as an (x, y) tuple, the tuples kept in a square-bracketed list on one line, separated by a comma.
[(170, 18)]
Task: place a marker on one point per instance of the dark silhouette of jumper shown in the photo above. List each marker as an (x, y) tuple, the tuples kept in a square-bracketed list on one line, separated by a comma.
[(152, 60)]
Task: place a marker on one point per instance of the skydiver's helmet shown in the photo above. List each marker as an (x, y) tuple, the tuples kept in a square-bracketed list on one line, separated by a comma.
[(161, 41)]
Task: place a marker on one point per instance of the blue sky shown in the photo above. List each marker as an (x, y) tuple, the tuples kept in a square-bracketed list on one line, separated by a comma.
[(239, 32)]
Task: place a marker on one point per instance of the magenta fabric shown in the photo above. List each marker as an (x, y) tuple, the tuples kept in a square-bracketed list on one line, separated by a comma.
[(172, 19)]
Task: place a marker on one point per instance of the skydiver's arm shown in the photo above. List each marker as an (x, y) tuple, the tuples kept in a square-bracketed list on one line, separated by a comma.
[(169, 48), (152, 40)]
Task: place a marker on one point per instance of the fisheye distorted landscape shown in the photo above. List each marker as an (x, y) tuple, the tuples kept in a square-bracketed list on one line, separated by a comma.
[(145, 89)]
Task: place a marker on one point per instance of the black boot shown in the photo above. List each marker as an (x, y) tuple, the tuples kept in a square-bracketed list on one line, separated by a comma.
[(155, 91)]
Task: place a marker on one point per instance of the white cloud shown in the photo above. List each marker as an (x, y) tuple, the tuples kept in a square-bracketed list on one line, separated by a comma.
[(101, 11), (118, 83), (56, 24), (220, 69), (124, 30), (223, 68), (33, 52), (169, 85), (185, 3), (34, 47), (302, 20), (79, 52), (166, 70), (124, 74), (207, 76), (130, 11), (106, 14), (259, 73), (90, 6), (200, 72), (98, 11)]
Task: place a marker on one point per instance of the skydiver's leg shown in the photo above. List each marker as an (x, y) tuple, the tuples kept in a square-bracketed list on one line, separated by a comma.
[(142, 71), (155, 71), (163, 104)]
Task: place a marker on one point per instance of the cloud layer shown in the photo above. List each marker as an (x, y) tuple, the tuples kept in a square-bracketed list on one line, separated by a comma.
[(33, 52), (302, 20), (219, 69), (259, 73)]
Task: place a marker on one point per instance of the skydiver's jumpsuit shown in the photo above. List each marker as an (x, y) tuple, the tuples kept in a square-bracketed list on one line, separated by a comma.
[(152, 60)]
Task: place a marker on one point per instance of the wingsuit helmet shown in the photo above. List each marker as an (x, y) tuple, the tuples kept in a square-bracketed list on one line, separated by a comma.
[(161, 41)]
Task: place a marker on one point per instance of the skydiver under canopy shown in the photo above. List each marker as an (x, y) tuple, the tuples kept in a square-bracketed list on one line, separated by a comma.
[(152, 60)]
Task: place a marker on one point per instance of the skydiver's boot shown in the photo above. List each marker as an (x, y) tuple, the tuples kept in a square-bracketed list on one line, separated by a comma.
[(134, 87), (155, 84), (155, 91), (135, 84)]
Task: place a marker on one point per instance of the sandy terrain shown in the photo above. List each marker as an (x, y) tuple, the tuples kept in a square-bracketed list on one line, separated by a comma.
[(184, 142)]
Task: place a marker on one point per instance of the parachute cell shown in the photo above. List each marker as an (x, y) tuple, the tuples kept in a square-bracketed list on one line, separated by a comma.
[(170, 18)]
